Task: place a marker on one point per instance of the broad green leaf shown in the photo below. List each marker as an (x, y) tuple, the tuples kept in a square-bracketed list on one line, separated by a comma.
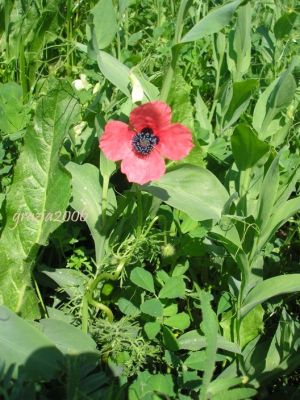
[(113, 70), (196, 360), (105, 22), (179, 321), (276, 97), (37, 198), (70, 340), (142, 278), (269, 288), (22, 344), (241, 95), (13, 114), (268, 194), (202, 116), (162, 384), (278, 218), (151, 387), (239, 44), (251, 326), (236, 394), (213, 22), (71, 281), (191, 189), (169, 339), (269, 358), (127, 307), (284, 24), (247, 149), (180, 102), (107, 167), (173, 288), (219, 385), (192, 340), (152, 329), (152, 307), (86, 199)]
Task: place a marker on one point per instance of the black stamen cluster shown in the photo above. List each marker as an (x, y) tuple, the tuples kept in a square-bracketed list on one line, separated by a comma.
[(144, 141)]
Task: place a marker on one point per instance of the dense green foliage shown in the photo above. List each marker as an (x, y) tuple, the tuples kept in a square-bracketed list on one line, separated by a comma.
[(184, 288)]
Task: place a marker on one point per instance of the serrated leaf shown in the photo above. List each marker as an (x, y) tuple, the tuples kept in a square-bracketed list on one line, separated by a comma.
[(37, 198)]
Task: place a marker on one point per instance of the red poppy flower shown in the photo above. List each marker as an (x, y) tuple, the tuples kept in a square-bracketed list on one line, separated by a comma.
[(143, 144)]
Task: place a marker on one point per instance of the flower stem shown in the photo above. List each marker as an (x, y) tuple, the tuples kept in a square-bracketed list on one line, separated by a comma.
[(139, 211), (104, 197)]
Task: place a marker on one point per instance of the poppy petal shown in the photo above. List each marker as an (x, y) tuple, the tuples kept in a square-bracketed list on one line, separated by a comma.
[(116, 140), (175, 141), (155, 115), (143, 169)]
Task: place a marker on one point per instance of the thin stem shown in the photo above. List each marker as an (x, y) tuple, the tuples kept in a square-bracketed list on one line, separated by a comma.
[(104, 308), (139, 211), (40, 298), (104, 197)]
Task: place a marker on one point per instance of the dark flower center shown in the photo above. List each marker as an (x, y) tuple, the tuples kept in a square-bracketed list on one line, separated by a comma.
[(144, 141)]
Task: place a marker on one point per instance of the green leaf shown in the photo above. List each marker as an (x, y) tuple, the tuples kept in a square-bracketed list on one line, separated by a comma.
[(87, 198), (284, 25), (70, 340), (196, 360), (142, 278), (179, 321), (276, 97), (107, 167), (251, 326), (239, 44), (22, 344), (269, 288), (236, 394), (268, 194), (152, 307), (192, 340), (152, 329), (113, 70), (241, 95), (174, 287), (280, 215), (213, 22), (105, 22), (219, 385), (71, 281), (127, 307), (13, 114), (247, 149), (180, 102), (169, 339), (37, 198), (191, 189)]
